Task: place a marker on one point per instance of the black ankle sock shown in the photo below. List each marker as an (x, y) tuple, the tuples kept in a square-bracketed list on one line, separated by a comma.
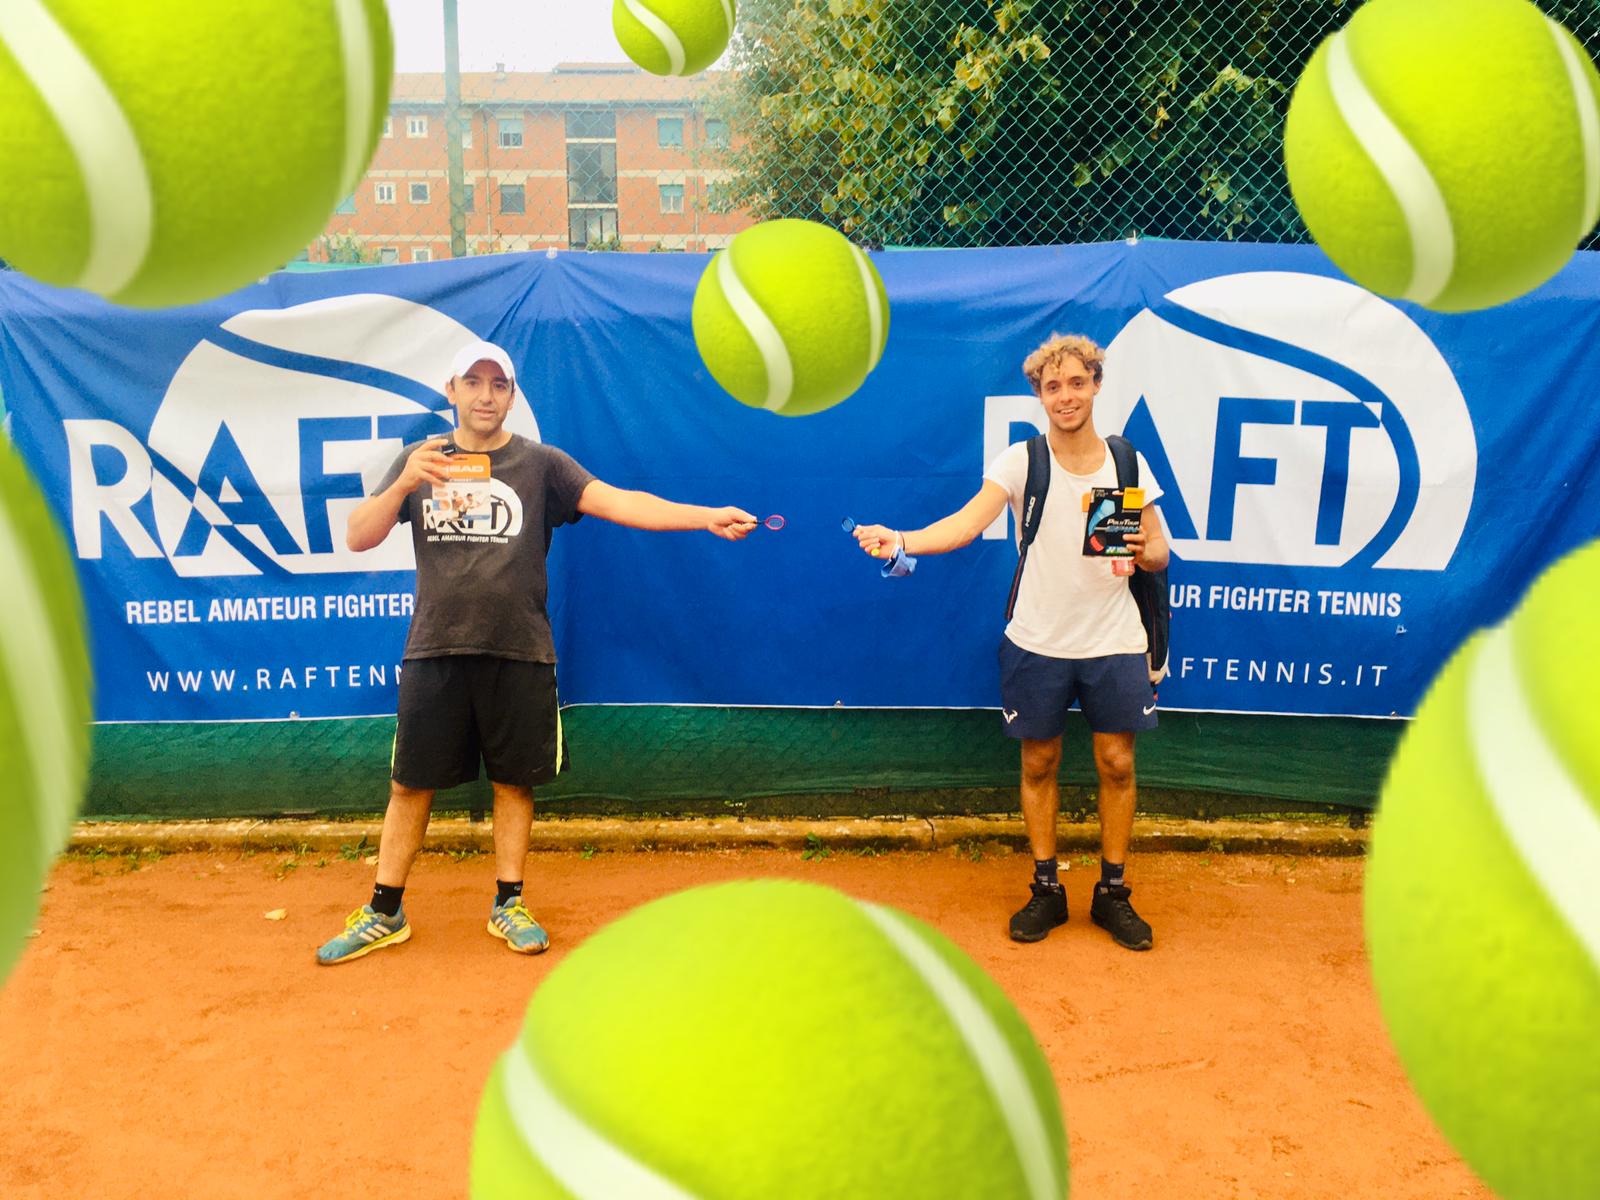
[(505, 891), (1111, 873), (1044, 872), (386, 899)]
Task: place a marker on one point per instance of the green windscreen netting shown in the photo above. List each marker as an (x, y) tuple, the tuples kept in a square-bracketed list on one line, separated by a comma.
[(751, 761)]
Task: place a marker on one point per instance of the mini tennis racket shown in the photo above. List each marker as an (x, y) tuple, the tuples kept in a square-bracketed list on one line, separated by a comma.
[(900, 563), (848, 524), (773, 522)]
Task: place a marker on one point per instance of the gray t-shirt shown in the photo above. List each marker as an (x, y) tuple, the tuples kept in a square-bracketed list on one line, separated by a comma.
[(481, 581)]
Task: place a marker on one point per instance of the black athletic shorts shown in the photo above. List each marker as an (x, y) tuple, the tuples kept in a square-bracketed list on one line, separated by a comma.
[(462, 708)]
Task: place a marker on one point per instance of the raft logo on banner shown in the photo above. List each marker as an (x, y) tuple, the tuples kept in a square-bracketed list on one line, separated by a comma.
[(271, 432), (1290, 419)]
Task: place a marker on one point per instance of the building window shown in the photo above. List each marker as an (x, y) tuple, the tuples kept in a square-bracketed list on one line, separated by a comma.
[(388, 255), (671, 197), (512, 198), (388, 127), (383, 193), (589, 125), (466, 135), (591, 173), (588, 225), (716, 132), (510, 132), (669, 133), (469, 198), (419, 193), (416, 127), (422, 254), (347, 205)]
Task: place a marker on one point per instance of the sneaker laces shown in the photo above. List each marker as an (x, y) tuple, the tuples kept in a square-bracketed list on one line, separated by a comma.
[(516, 913), (1042, 897), (1116, 898)]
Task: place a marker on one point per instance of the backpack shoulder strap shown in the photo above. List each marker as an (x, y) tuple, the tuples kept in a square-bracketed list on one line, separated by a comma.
[(1122, 453), (1038, 485), (1032, 510)]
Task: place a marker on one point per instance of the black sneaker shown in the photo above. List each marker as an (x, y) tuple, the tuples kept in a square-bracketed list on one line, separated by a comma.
[(1035, 919), (1111, 911)]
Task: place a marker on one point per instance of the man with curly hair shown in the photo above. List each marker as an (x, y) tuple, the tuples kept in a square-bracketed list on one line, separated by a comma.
[(1075, 636)]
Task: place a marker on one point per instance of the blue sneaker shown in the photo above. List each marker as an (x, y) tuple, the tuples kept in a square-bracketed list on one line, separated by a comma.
[(514, 925), (365, 930)]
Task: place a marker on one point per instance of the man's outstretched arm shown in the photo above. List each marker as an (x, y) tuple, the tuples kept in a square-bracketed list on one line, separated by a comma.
[(644, 510), (944, 535)]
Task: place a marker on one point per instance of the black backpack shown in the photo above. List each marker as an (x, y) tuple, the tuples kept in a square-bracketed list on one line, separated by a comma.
[(1149, 588)]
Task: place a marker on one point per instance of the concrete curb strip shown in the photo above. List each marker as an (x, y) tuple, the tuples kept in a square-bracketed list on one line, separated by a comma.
[(726, 833)]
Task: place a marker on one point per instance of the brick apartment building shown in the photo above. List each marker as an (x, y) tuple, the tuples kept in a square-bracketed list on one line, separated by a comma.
[(584, 155)]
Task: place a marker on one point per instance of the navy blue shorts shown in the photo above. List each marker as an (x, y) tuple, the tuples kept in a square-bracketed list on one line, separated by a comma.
[(1036, 691)]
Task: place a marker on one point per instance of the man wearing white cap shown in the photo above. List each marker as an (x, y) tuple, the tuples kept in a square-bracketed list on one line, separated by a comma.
[(479, 678)]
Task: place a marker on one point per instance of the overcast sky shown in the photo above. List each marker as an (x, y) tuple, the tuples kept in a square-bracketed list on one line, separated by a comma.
[(526, 35)]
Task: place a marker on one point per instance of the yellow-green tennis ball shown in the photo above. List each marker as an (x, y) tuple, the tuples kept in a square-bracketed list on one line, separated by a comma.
[(673, 37), (1447, 151), (168, 151), (44, 700), (791, 317), (776, 1040), (1483, 895)]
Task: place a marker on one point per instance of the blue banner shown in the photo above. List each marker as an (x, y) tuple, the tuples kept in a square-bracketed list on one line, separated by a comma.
[(1351, 486)]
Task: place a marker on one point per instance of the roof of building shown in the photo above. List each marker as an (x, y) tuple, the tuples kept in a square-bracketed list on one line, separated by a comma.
[(569, 83)]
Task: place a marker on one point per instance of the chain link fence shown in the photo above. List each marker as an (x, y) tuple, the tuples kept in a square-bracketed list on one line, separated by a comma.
[(1024, 122), (931, 123), (904, 123)]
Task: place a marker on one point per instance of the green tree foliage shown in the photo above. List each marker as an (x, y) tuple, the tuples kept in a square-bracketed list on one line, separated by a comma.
[(1014, 122), (346, 249)]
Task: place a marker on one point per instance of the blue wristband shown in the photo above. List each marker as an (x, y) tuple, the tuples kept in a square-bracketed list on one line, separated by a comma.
[(901, 564)]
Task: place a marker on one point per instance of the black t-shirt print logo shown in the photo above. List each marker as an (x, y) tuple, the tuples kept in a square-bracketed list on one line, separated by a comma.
[(496, 522)]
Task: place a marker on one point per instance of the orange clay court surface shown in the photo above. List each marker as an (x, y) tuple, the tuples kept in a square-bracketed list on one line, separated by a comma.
[(162, 1038)]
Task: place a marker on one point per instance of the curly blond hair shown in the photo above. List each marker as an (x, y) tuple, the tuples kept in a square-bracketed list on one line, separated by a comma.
[(1057, 350)]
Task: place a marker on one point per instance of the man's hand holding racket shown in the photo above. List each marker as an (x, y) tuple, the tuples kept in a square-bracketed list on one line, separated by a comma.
[(885, 544), (732, 523), (877, 540)]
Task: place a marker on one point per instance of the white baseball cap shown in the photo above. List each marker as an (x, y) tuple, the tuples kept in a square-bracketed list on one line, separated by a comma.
[(477, 352)]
